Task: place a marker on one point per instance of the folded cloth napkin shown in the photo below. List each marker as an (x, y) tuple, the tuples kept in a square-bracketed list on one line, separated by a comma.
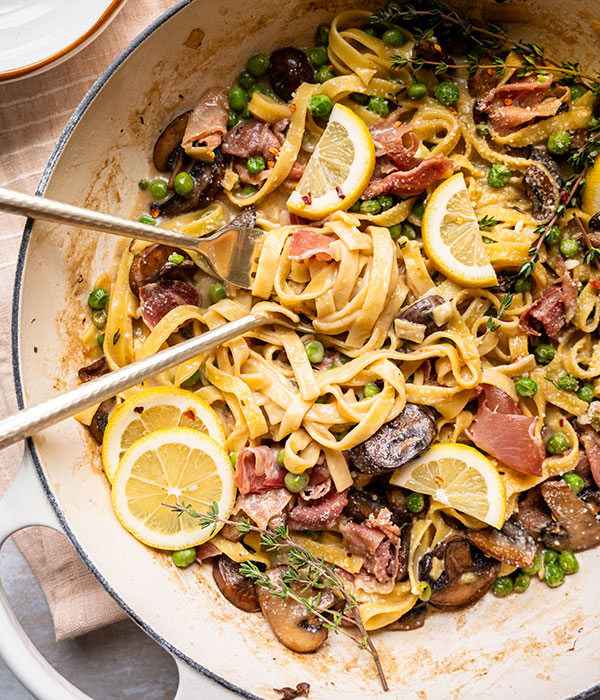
[(33, 113)]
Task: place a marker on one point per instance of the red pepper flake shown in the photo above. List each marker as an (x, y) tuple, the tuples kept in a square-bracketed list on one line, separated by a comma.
[(340, 194), (507, 101), (438, 480), (292, 107), (437, 47), (595, 284), (564, 195), (453, 111), (490, 71), (154, 212), (274, 151), (330, 67), (189, 414), (307, 199), (561, 422), (138, 409), (270, 163)]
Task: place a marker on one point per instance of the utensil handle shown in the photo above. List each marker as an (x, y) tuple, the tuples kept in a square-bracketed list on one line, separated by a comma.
[(26, 504), (32, 420), (50, 210)]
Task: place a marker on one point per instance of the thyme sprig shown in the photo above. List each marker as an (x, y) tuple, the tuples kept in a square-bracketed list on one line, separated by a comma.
[(304, 572), (487, 223), (505, 303)]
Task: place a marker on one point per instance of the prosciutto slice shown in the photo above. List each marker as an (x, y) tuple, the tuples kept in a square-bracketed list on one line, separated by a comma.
[(305, 244), (396, 141), (502, 430), (257, 470), (262, 507), (591, 444), (158, 298), (319, 514), (206, 126), (511, 105), (554, 309), (251, 138), (410, 182)]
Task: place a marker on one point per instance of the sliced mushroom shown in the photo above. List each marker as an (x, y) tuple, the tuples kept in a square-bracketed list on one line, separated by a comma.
[(300, 691), (572, 515), (421, 311), (288, 69), (231, 532), (95, 369), (169, 142), (542, 190), (292, 623), (482, 81), (363, 503), (411, 620), (533, 514), (511, 545), (594, 223), (396, 503), (430, 50), (541, 155), (100, 419), (237, 588), (467, 574), (153, 264), (207, 180), (396, 442)]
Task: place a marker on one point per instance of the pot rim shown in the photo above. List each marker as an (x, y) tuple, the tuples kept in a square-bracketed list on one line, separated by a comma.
[(15, 325)]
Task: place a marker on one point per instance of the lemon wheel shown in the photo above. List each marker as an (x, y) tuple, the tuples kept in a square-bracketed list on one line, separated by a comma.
[(590, 199), (152, 409), (458, 476), (172, 466)]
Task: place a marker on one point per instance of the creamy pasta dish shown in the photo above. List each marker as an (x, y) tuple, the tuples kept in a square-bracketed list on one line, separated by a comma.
[(418, 424)]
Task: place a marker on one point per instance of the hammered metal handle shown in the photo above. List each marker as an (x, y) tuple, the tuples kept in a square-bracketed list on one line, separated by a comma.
[(32, 420)]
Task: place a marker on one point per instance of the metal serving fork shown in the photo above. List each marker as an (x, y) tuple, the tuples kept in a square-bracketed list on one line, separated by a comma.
[(230, 252)]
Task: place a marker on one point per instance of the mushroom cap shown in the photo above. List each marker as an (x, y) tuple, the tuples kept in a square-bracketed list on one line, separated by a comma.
[(169, 141), (237, 588), (511, 544), (288, 69), (153, 264), (542, 190)]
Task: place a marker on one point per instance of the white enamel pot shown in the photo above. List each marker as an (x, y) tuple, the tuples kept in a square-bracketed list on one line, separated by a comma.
[(541, 644)]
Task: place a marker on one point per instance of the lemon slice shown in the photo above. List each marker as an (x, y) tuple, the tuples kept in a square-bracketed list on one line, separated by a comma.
[(590, 199), (172, 465), (458, 476), (152, 409), (339, 168), (451, 235)]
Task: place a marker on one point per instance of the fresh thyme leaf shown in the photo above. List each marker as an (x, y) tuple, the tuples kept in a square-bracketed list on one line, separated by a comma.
[(488, 240), (487, 223)]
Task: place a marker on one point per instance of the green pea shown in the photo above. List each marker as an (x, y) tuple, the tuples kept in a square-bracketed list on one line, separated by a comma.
[(183, 184), (447, 93), (498, 175), (320, 106), (176, 258), (233, 457), (370, 390), (324, 74), (100, 339), (416, 91), (99, 318), (360, 98), (313, 534), (576, 92), (395, 231), (322, 35), (550, 556), (296, 482), (158, 189), (184, 557), (318, 56), (468, 577), (575, 481), (522, 285), (315, 351), (258, 65), (568, 563), (281, 458), (593, 123), (246, 79), (249, 190), (232, 120), (568, 248), (425, 594), (144, 184), (386, 201), (554, 575), (147, 219), (378, 106), (393, 37), (559, 142), (526, 387), (408, 230), (557, 444), (418, 210), (586, 393), (370, 207), (356, 206), (237, 99), (371, 31), (544, 353), (216, 292), (522, 582), (553, 235), (415, 502), (98, 299), (255, 88), (344, 359), (535, 567), (482, 130), (192, 381), (568, 383), (502, 586), (255, 164)]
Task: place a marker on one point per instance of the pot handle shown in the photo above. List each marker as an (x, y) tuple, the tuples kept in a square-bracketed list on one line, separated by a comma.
[(25, 504)]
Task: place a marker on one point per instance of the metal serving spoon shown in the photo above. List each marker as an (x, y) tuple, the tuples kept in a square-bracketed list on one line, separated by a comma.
[(231, 253)]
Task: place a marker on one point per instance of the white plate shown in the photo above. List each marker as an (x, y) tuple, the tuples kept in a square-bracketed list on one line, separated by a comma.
[(38, 34)]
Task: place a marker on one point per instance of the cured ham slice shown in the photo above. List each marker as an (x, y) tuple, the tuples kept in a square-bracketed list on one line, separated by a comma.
[(396, 141), (501, 430), (251, 138), (554, 309), (319, 514), (305, 244), (591, 443), (206, 126), (257, 470), (158, 298), (511, 105), (410, 182), (262, 507)]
